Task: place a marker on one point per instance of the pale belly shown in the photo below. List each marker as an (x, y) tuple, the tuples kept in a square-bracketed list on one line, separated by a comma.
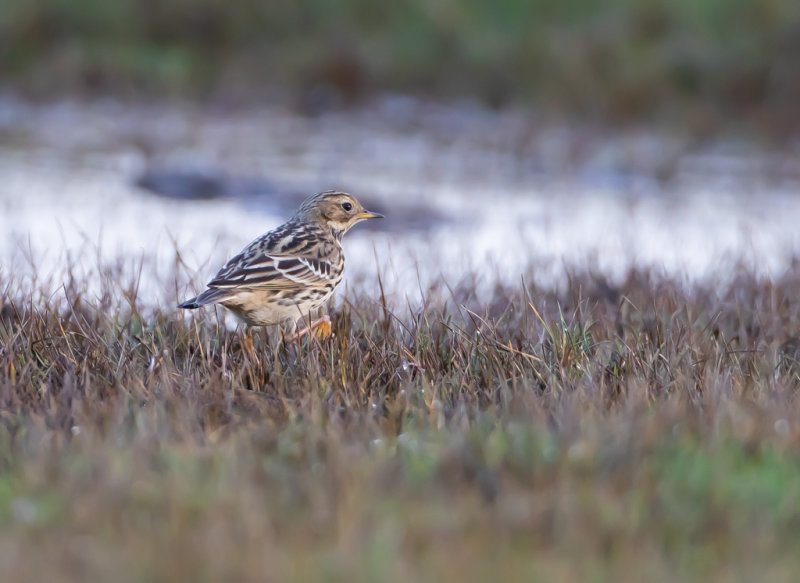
[(254, 309)]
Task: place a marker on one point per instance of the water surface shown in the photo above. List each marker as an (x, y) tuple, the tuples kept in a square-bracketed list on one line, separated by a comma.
[(463, 189)]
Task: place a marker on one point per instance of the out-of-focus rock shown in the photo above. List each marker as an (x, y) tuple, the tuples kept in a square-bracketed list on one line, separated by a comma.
[(200, 184)]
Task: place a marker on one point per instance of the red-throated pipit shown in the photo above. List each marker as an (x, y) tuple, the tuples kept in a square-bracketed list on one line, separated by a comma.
[(286, 274)]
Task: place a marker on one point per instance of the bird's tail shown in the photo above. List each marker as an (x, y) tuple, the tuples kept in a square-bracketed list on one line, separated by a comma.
[(210, 296)]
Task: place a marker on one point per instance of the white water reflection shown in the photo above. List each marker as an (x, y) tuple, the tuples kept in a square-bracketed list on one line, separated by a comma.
[(516, 192)]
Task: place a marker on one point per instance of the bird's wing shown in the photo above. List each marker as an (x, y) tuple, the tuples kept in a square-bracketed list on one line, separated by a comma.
[(266, 264), (268, 271)]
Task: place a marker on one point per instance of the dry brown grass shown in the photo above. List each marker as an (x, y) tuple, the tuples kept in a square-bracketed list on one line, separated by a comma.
[(608, 432)]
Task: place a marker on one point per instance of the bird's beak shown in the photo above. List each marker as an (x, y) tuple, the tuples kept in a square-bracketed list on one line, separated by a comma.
[(369, 215)]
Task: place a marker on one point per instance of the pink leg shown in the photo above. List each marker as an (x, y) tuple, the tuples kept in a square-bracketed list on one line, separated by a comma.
[(320, 327)]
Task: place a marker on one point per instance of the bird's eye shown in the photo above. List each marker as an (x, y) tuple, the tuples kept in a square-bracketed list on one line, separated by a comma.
[(347, 206)]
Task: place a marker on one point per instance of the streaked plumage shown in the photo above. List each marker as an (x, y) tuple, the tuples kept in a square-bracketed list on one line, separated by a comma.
[(287, 273)]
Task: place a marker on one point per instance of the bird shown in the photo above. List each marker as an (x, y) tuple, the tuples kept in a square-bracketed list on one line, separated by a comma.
[(286, 274)]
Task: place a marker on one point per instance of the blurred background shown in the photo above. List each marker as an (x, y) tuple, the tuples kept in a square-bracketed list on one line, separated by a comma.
[(502, 132), (704, 62)]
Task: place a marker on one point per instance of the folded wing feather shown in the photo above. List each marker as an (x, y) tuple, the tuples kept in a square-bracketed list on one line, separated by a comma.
[(268, 271)]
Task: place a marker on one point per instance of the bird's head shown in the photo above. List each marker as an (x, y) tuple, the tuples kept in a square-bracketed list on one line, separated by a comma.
[(336, 210)]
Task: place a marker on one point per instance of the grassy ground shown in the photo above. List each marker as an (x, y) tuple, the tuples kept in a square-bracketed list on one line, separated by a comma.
[(606, 433), (699, 61)]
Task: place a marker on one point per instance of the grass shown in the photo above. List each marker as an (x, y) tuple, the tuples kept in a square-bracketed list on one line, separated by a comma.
[(702, 62), (606, 432)]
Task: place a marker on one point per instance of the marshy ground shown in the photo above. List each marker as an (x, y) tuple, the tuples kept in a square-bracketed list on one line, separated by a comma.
[(570, 352), (646, 429), (570, 355)]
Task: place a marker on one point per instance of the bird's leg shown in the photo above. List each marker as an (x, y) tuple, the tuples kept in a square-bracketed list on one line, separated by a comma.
[(319, 328), (288, 332), (247, 343)]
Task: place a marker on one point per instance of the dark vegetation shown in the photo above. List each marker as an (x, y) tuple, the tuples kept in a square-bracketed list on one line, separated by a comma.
[(701, 61), (604, 432)]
